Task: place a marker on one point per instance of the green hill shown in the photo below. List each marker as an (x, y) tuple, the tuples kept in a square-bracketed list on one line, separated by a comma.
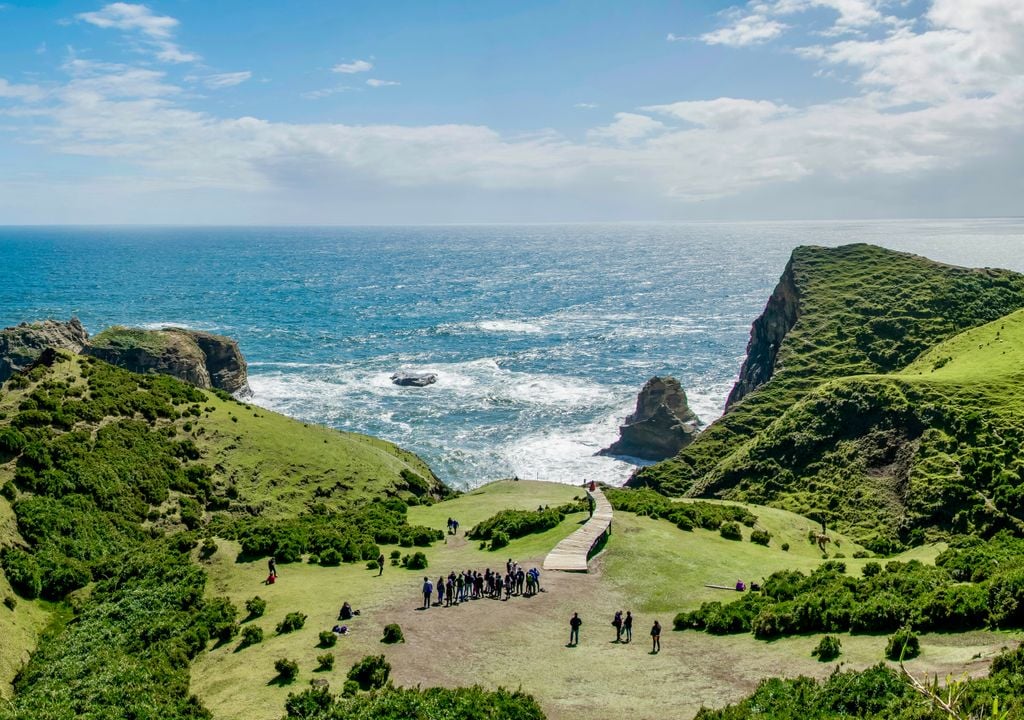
[(849, 426)]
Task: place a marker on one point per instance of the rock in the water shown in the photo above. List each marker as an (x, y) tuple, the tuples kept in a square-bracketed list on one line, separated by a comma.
[(413, 379), (661, 426), (20, 346), (203, 359)]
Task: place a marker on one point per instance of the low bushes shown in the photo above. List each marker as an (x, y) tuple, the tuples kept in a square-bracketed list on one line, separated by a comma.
[(255, 606), (287, 670), (417, 561), (328, 639), (730, 530), (903, 645), (292, 621), (371, 672), (684, 515), (325, 662), (511, 524), (761, 537), (393, 634), (828, 648), (251, 635)]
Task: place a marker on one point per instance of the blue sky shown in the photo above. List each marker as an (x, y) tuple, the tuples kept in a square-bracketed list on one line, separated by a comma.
[(219, 111)]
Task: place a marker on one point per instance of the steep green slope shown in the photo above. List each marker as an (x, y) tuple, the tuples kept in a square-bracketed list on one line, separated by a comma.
[(106, 473), (848, 448), (898, 458)]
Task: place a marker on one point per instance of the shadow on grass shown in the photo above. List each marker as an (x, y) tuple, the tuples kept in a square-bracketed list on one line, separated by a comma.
[(280, 681)]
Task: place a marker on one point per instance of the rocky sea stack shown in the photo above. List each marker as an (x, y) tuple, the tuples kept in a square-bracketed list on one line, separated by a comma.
[(661, 426), (203, 359), (207, 361)]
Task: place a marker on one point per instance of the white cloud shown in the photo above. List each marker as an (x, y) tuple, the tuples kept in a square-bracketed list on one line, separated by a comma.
[(746, 30), (627, 127), (375, 82), (922, 102), (585, 105), (672, 37), (223, 80), (722, 113), (157, 31), (351, 68), (326, 92)]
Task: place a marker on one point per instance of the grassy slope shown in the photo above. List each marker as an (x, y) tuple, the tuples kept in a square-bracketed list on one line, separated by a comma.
[(933, 446), (275, 463), (863, 309), (648, 566)]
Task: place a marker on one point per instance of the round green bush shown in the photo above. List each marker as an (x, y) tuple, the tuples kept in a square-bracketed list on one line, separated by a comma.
[(292, 621), (785, 547), (371, 672), (418, 561), (730, 530), (330, 557), (828, 649), (328, 639), (761, 537), (251, 635), (372, 565), (395, 554), (871, 569), (393, 634), (903, 645), (287, 670), (499, 540), (325, 661), (350, 689), (255, 606)]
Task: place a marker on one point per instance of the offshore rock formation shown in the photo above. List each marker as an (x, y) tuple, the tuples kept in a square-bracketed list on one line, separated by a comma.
[(203, 359), (661, 426), (22, 345), (413, 379), (766, 335)]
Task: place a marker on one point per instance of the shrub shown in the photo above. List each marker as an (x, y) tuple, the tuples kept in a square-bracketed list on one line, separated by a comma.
[(498, 540), (828, 649), (312, 703), (785, 547), (871, 569), (292, 621), (325, 661), (393, 634), (10, 602), (255, 606), (251, 635), (761, 537), (349, 689), (395, 554), (516, 524), (903, 644), (418, 561), (372, 565), (328, 639), (371, 672), (287, 670), (207, 549), (730, 530), (330, 557), (23, 572)]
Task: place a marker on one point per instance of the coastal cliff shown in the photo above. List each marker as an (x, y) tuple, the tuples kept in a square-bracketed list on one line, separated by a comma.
[(202, 359), (661, 426), (20, 346), (766, 336)]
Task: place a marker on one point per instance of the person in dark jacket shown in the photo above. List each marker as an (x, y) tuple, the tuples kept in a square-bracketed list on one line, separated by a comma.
[(656, 638), (574, 630), (428, 590), (627, 626)]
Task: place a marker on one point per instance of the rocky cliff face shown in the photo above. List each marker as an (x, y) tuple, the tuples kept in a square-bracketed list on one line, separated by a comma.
[(766, 335), (205, 360), (661, 425), (22, 345)]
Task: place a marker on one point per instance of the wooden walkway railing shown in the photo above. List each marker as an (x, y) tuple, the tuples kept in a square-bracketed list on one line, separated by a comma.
[(573, 552)]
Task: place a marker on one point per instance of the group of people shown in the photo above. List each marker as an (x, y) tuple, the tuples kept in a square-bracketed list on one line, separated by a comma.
[(453, 526), (623, 630), (474, 585)]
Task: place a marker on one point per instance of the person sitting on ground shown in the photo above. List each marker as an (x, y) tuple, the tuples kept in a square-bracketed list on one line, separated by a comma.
[(346, 612), (740, 586)]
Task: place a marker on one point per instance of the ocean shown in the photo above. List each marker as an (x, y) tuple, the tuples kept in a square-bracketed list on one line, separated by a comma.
[(540, 336)]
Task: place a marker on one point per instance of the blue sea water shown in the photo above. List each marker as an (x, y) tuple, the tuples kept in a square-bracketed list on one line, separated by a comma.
[(541, 336)]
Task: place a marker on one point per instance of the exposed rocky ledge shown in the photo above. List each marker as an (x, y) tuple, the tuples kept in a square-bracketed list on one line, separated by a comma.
[(20, 346), (661, 426), (413, 379), (203, 359), (766, 334)]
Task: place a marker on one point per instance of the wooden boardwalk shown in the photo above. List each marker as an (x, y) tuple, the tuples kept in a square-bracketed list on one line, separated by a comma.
[(573, 552)]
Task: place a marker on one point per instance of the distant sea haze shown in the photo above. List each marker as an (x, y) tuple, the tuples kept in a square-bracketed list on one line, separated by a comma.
[(540, 336)]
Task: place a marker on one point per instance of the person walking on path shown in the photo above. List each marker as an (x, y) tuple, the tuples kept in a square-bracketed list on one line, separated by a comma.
[(428, 590), (574, 630), (656, 638), (627, 626), (380, 564), (617, 624)]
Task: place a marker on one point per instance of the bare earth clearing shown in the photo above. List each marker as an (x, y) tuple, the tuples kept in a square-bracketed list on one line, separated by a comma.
[(649, 567)]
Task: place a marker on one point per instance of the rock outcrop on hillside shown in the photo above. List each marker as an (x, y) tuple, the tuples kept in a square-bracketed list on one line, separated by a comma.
[(203, 359), (20, 346), (661, 426), (766, 336)]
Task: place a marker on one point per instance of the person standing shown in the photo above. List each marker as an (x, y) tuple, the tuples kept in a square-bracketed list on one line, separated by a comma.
[(627, 626), (380, 564), (272, 567), (617, 624), (574, 630), (428, 590), (656, 638), (440, 591)]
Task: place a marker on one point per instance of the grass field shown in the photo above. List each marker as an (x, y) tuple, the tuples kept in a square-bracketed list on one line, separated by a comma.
[(648, 566)]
